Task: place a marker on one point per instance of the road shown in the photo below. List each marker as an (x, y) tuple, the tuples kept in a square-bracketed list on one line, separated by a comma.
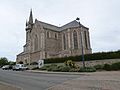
[(105, 80), (33, 81)]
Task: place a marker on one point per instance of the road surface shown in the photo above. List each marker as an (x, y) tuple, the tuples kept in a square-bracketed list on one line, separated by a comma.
[(34, 81)]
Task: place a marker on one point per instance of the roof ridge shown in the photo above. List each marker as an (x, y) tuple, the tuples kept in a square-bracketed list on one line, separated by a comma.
[(48, 24), (71, 24)]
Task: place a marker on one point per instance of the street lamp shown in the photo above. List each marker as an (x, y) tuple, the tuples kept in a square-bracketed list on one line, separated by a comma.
[(81, 41)]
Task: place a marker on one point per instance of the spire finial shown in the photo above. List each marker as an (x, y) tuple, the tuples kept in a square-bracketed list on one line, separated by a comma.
[(31, 17)]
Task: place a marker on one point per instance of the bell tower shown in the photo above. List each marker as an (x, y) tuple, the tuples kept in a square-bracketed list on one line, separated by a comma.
[(29, 26)]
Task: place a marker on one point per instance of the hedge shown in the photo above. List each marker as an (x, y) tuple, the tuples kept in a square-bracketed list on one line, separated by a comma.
[(88, 57), (108, 67)]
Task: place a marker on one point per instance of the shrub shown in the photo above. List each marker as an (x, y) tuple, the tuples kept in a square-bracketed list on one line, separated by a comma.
[(115, 66), (65, 63), (74, 70), (87, 69), (34, 63), (56, 69), (35, 68), (107, 67), (70, 63), (49, 69), (60, 66), (44, 67), (52, 67), (98, 67), (65, 69)]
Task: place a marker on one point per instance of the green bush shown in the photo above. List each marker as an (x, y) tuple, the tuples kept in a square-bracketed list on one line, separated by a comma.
[(44, 67), (70, 63), (56, 69), (34, 63), (115, 66), (60, 66), (74, 70), (49, 69), (65, 69), (107, 67), (35, 68), (52, 67), (98, 67), (87, 69)]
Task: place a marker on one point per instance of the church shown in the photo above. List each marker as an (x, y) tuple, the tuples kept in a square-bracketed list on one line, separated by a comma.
[(45, 41)]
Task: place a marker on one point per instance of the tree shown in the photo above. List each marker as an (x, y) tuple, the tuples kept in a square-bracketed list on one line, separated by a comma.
[(11, 63), (3, 61)]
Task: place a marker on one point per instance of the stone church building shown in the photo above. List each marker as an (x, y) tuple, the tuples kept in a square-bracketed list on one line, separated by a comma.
[(44, 40)]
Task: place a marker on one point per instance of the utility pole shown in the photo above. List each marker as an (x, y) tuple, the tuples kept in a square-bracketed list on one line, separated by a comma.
[(81, 41)]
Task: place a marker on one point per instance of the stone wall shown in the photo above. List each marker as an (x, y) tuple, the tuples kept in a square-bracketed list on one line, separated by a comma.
[(96, 62)]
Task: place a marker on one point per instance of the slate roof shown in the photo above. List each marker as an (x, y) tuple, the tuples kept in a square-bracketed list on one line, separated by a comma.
[(49, 26), (64, 27), (70, 25)]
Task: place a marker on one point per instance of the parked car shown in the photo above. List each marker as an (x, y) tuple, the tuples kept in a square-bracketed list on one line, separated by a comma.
[(20, 67), (7, 67)]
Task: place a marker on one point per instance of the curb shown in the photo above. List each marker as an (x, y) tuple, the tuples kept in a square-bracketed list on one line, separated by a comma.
[(61, 73)]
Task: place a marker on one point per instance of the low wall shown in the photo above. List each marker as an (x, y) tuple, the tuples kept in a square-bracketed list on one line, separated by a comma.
[(101, 62)]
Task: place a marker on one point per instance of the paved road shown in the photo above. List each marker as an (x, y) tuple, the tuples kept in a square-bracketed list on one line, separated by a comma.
[(33, 81), (94, 81)]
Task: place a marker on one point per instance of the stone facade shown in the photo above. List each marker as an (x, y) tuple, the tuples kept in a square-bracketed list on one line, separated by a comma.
[(44, 40)]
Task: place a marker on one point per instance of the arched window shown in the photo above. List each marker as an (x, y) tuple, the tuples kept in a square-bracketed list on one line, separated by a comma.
[(75, 40), (64, 41), (36, 43)]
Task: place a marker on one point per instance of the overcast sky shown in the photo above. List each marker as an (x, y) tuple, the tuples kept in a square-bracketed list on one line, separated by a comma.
[(102, 17)]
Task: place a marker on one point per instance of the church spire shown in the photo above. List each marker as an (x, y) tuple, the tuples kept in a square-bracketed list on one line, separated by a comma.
[(31, 18), (26, 22)]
